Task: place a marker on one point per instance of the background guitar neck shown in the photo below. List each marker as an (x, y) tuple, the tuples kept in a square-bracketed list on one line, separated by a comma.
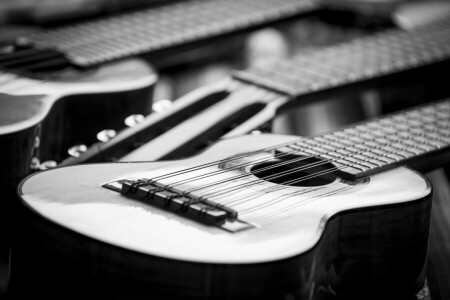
[(155, 29), (304, 78), (363, 60)]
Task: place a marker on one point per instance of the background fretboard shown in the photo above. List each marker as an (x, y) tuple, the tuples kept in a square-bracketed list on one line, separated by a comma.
[(363, 59), (107, 39), (414, 137)]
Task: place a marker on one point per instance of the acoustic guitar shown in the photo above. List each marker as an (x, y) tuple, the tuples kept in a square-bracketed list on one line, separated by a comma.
[(55, 84), (252, 217), (42, 118), (251, 98)]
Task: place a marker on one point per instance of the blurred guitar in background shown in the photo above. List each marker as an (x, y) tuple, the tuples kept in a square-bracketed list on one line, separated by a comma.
[(63, 86), (40, 68), (252, 98)]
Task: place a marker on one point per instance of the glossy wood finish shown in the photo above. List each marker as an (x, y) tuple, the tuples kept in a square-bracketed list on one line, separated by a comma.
[(154, 125), (241, 107), (439, 244), (68, 109), (367, 240), (127, 75)]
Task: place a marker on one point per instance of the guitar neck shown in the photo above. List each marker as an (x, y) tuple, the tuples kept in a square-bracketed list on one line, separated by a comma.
[(362, 60), (154, 29), (366, 60), (418, 137)]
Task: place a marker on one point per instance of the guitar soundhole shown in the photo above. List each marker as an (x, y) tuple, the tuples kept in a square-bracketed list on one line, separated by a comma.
[(301, 172)]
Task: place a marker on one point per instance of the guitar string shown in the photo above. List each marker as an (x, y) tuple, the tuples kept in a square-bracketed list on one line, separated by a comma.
[(274, 201), (282, 198), (274, 176), (37, 55), (366, 122), (267, 178), (227, 191), (19, 54), (221, 171), (269, 202), (305, 177), (289, 182), (221, 161), (239, 176), (256, 182), (58, 62), (272, 213), (168, 175), (281, 186), (292, 171), (283, 163)]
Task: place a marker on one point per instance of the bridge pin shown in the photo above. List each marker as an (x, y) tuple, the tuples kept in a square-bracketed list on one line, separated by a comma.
[(133, 120), (161, 105), (77, 150), (34, 164), (22, 43), (48, 164), (6, 49), (106, 135), (37, 142)]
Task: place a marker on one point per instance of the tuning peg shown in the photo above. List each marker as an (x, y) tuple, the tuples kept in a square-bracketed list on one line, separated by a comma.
[(106, 135), (6, 49), (161, 105), (133, 120), (77, 150), (34, 164), (37, 142), (48, 164), (23, 42)]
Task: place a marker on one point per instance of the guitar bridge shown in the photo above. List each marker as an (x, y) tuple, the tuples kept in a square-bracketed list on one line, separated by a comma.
[(197, 209)]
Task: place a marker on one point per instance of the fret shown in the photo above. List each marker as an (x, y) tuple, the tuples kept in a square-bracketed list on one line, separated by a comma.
[(90, 43), (362, 59), (356, 152)]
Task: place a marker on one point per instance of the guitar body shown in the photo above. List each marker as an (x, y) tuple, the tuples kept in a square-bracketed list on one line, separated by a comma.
[(44, 118), (353, 240)]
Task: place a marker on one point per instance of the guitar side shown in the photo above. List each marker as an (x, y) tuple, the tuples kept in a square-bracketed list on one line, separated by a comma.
[(43, 118), (365, 241)]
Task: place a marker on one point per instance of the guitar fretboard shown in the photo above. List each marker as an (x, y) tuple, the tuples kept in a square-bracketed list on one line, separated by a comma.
[(383, 143), (90, 43), (367, 58)]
